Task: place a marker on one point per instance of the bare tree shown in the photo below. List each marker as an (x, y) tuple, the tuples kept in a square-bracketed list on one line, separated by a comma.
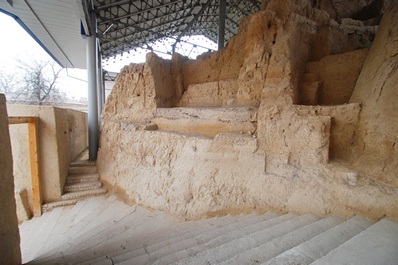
[(33, 83), (7, 82)]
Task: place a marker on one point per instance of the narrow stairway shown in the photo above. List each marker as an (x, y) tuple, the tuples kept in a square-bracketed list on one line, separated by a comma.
[(82, 181), (103, 230)]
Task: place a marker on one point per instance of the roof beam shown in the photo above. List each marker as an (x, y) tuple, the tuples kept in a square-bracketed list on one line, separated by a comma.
[(126, 25), (139, 29), (195, 18), (110, 5), (138, 12), (221, 25)]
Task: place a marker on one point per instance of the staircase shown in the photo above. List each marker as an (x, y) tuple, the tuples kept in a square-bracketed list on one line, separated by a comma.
[(103, 230), (82, 181)]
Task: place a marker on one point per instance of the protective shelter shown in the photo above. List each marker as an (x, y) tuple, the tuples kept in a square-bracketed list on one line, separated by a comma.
[(82, 33)]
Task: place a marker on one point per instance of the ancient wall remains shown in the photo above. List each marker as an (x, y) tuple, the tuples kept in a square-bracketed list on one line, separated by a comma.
[(242, 132), (375, 148), (62, 137), (9, 235)]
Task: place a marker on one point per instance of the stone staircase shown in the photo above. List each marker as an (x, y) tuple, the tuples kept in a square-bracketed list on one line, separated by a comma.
[(82, 181), (103, 230)]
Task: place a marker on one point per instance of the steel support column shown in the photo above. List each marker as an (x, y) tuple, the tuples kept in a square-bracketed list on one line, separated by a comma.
[(221, 26), (100, 93), (92, 89)]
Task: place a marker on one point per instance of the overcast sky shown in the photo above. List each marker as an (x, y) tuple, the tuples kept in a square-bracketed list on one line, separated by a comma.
[(16, 43)]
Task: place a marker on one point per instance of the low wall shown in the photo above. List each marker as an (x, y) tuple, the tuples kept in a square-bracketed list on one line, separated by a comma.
[(9, 235), (62, 137)]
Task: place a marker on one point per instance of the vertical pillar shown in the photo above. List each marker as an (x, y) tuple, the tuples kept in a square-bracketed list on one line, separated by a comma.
[(34, 165), (221, 26), (100, 100), (92, 89)]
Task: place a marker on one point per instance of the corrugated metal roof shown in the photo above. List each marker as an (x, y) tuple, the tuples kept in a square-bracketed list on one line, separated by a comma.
[(122, 24), (56, 24)]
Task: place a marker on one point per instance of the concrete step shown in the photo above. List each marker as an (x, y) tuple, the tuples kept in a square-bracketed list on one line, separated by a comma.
[(209, 239), (82, 163), (132, 242), (134, 228), (161, 238), (170, 233), (278, 245), (81, 194), (206, 121), (102, 230), (225, 251), (82, 178), (65, 229), (49, 206), (376, 245), (200, 232), (41, 235), (74, 170), (80, 235), (68, 220), (319, 246), (28, 229), (82, 186)]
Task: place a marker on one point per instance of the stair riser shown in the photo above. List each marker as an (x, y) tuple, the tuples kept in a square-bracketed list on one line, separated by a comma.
[(82, 164), (49, 207), (82, 187), (82, 170), (81, 179), (84, 194)]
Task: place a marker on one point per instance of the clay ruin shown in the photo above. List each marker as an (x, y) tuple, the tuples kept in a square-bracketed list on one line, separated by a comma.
[(297, 114)]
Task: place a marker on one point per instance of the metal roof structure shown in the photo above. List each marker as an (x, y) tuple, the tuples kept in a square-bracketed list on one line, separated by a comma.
[(59, 26), (124, 25)]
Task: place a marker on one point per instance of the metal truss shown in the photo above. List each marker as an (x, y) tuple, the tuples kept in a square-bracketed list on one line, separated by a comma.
[(125, 25)]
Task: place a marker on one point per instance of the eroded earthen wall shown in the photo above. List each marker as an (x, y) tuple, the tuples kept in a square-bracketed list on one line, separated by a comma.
[(375, 148), (9, 235), (194, 160)]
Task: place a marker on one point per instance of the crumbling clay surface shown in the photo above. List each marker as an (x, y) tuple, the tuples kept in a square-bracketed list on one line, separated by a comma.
[(375, 147), (227, 132), (9, 234)]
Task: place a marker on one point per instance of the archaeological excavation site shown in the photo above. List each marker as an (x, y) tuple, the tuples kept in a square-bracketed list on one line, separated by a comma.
[(279, 148)]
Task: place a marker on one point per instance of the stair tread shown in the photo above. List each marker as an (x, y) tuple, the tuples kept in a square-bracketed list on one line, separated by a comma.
[(78, 194), (41, 235), (278, 245), (131, 245), (103, 230), (91, 224), (52, 205), (376, 245), (82, 163), (222, 252), (91, 183), (81, 177), (322, 244), (198, 232)]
